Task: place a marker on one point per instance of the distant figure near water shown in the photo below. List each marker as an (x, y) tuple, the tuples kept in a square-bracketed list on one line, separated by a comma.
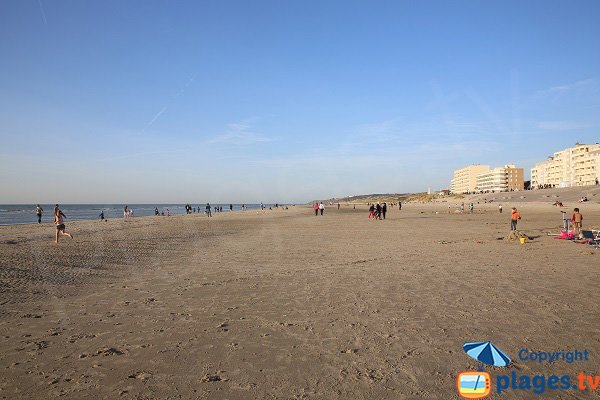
[(60, 223), (208, 213), (38, 211), (101, 216)]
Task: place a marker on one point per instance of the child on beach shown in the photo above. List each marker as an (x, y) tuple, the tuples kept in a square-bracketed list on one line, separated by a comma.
[(60, 223), (577, 220), (514, 218)]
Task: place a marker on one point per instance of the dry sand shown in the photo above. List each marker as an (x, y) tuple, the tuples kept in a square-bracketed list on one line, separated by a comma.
[(286, 305)]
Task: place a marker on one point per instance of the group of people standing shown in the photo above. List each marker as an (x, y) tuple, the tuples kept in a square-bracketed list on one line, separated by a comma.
[(377, 211)]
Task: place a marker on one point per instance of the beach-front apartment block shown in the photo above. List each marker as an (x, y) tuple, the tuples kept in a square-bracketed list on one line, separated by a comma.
[(575, 166), (501, 179), (464, 179)]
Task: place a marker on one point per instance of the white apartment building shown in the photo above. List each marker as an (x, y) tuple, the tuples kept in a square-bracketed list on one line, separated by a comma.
[(501, 179), (575, 166), (465, 179)]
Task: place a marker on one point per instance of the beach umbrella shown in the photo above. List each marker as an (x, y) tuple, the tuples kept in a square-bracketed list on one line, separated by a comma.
[(486, 353)]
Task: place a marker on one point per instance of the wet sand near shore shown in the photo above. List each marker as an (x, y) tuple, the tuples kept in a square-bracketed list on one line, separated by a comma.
[(286, 305)]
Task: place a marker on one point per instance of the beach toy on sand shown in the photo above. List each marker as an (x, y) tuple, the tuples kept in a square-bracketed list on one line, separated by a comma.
[(522, 240), (486, 353)]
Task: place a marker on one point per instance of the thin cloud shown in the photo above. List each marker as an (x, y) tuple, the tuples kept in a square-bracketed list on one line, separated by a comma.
[(43, 12), (561, 125), (240, 133), (562, 89)]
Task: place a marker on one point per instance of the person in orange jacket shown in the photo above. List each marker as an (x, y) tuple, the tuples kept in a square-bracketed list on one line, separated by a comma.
[(514, 218)]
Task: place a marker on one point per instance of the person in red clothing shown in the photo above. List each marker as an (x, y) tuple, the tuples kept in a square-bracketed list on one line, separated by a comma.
[(577, 220), (372, 212), (316, 207)]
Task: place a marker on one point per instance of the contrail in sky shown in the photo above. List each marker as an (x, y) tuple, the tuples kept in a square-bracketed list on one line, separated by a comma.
[(156, 117), (189, 82), (43, 12)]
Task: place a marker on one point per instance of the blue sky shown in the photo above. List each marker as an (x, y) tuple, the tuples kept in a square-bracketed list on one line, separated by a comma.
[(249, 101)]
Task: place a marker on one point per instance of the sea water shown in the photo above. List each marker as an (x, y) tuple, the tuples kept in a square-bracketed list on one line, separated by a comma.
[(13, 214)]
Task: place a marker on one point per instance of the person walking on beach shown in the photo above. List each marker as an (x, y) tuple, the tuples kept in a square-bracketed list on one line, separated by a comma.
[(515, 216), (38, 211), (399, 205), (60, 223), (383, 209), (231, 207), (321, 207), (316, 207), (378, 211), (156, 211), (577, 220), (500, 208), (471, 206), (208, 213), (101, 215), (125, 212), (372, 211)]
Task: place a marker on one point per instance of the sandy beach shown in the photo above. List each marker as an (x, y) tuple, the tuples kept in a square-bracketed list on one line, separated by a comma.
[(286, 305)]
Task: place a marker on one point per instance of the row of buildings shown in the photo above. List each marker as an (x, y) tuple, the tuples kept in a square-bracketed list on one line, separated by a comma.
[(480, 178), (575, 166)]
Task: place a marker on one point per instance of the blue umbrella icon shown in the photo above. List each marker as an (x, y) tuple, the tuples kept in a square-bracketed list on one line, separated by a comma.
[(486, 353)]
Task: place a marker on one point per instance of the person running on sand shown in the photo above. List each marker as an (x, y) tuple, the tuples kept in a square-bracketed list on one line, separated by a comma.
[(316, 207), (38, 211), (60, 223), (321, 207), (577, 220), (515, 216)]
